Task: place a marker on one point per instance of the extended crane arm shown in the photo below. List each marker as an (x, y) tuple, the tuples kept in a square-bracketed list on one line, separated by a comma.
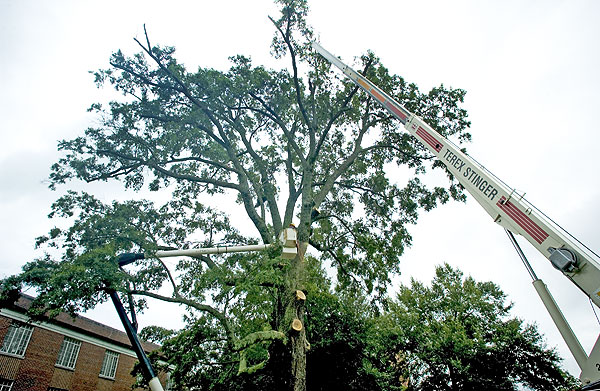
[(502, 203)]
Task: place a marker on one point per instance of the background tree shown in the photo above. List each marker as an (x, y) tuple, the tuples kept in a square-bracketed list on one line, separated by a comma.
[(293, 145), (457, 335)]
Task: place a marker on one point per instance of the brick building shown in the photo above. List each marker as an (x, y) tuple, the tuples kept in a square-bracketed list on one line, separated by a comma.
[(63, 354)]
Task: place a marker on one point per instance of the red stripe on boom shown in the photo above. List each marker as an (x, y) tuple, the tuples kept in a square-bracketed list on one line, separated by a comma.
[(396, 111), (377, 95), (528, 225), (429, 139)]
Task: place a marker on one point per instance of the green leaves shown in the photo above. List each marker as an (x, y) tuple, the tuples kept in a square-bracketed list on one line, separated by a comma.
[(72, 286), (292, 22), (457, 334), (99, 232)]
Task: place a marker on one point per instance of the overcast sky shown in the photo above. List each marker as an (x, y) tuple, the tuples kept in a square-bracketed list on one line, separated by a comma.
[(530, 69)]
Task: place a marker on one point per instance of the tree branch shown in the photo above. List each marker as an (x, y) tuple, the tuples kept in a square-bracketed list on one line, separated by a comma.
[(343, 108), (286, 39), (201, 160), (198, 306), (289, 136), (325, 189), (266, 185), (206, 130), (143, 78), (293, 193), (337, 260), (169, 173), (173, 284), (257, 337), (242, 187), (184, 90)]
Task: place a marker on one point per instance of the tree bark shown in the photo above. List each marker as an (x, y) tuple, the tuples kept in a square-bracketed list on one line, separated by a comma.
[(298, 343), (295, 312)]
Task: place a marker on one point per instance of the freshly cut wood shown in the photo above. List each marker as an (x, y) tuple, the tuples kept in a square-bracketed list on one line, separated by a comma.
[(297, 324), (300, 295)]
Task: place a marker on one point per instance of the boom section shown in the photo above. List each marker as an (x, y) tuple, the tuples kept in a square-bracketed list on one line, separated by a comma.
[(502, 203)]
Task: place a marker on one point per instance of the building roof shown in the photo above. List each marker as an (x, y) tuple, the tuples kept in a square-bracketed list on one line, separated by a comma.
[(85, 325)]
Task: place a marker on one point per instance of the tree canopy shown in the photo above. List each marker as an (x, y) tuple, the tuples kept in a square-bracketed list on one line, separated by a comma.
[(294, 145), (453, 333), (456, 334)]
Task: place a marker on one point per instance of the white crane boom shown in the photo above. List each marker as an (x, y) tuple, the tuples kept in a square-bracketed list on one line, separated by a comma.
[(510, 210)]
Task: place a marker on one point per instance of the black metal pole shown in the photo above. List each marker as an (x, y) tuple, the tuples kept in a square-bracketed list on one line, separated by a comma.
[(133, 338)]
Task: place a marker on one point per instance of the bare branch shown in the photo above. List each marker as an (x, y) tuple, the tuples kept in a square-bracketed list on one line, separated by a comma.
[(293, 192)]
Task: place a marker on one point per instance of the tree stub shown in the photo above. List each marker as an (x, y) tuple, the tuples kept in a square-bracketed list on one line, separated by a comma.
[(300, 295), (297, 324)]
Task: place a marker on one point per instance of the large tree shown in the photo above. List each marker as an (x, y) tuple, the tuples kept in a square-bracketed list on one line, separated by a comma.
[(457, 334), (295, 145)]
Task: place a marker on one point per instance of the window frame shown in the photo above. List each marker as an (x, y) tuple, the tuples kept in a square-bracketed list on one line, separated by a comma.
[(69, 352), (6, 384), (113, 357), (16, 332)]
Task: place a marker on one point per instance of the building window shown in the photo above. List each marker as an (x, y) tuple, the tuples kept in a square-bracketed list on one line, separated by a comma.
[(67, 357), (109, 365), (16, 340), (5, 384)]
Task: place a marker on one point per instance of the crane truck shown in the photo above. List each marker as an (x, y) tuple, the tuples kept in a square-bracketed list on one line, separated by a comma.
[(511, 211)]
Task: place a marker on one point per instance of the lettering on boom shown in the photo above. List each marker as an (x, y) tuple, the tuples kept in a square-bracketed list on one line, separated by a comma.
[(471, 175)]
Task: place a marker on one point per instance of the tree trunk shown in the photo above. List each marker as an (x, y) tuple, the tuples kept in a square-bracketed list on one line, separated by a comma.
[(295, 320), (298, 343)]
